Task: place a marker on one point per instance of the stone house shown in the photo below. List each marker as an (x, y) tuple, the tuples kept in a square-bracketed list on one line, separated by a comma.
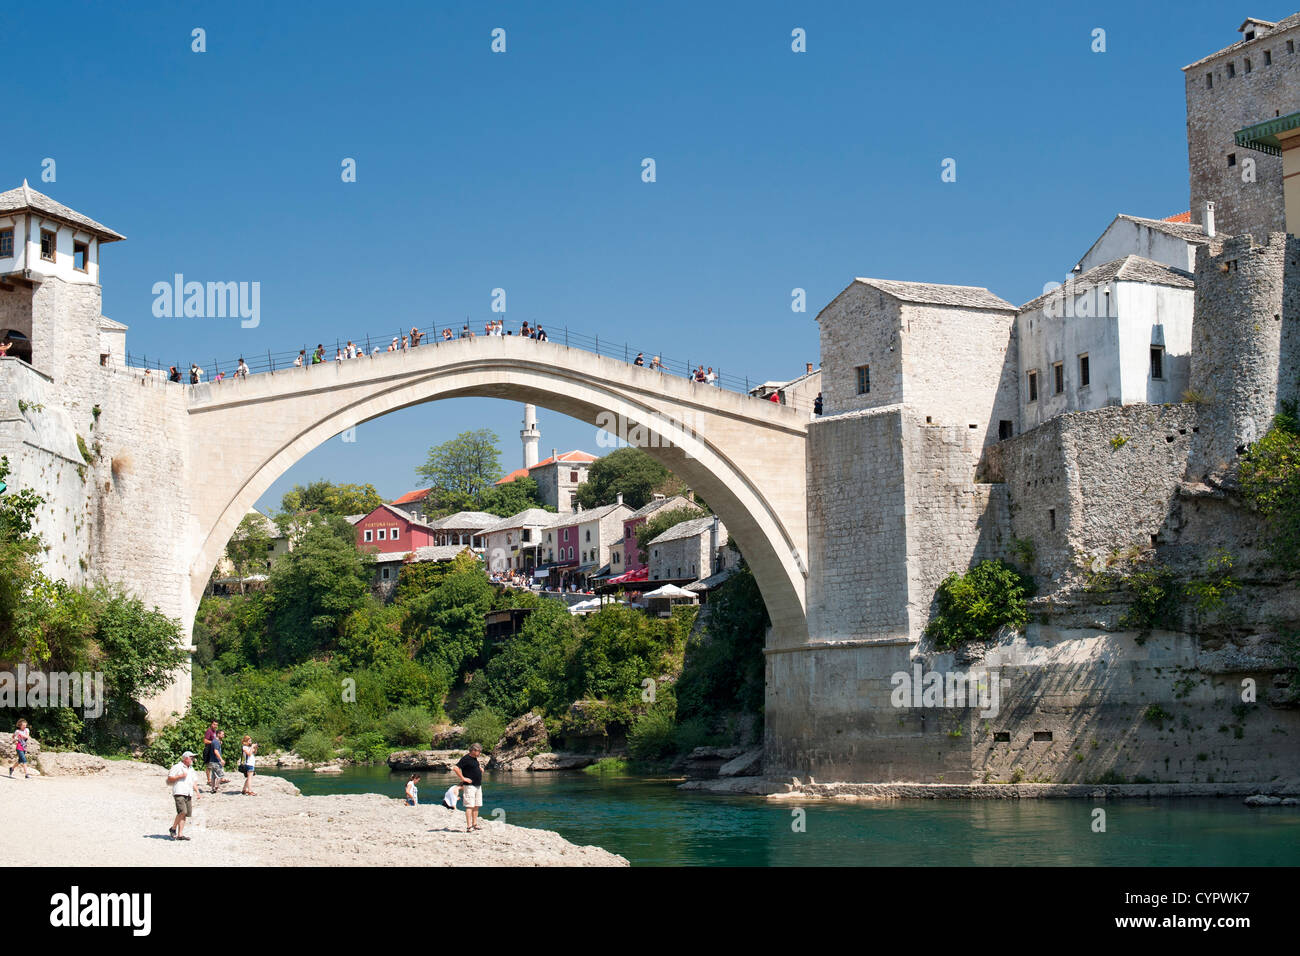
[(1254, 80), (1119, 334), (512, 543), (464, 528), (627, 552), (688, 551), (557, 478)]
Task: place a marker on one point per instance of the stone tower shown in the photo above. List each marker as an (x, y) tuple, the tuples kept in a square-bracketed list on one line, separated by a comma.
[(1245, 339), (1253, 80), (530, 435)]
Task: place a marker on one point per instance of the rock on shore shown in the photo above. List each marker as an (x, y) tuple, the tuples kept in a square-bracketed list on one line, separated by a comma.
[(117, 814)]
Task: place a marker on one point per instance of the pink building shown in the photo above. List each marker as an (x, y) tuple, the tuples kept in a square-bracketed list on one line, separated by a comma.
[(631, 554), (390, 530)]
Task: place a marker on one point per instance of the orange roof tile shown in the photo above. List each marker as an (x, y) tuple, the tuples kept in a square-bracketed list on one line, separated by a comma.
[(1181, 217), (418, 495)]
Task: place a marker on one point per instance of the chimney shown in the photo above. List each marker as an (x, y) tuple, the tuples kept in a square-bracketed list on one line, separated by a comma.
[(808, 368), (658, 496), (555, 455), (1207, 219), (620, 498)]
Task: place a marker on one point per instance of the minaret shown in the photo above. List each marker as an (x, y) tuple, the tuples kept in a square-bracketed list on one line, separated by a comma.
[(530, 435)]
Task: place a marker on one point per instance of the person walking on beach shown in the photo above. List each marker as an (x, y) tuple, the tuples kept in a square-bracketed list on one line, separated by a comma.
[(21, 736), (248, 767), (471, 777), (182, 779), (412, 791), (218, 765)]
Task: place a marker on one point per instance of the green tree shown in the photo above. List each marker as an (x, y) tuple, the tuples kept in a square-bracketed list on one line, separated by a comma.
[(659, 522), (628, 471), (511, 498), (1270, 480), (464, 468), (331, 499), (312, 590), (248, 546)]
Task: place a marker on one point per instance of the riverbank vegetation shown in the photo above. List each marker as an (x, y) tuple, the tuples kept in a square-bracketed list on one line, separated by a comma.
[(51, 626)]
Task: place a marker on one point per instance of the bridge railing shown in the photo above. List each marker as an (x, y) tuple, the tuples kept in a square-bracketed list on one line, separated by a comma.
[(371, 345)]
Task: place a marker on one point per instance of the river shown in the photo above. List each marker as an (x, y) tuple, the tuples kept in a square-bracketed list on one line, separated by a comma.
[(652, 823)]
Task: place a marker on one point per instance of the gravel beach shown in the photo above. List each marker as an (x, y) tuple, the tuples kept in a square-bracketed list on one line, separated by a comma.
[(119, 815)]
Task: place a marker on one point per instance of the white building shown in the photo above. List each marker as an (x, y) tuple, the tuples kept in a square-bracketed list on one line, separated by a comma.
[(512, 542), (1169, 241), (1119, 334)]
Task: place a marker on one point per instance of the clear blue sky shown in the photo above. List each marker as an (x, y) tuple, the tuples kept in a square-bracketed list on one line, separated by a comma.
[(522, 170)]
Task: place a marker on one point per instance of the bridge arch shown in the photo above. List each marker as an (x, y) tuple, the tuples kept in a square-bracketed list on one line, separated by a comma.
[(744, 456)]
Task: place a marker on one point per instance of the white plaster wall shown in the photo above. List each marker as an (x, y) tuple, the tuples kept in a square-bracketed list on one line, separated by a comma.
[(1123, 237), (1153, 315)]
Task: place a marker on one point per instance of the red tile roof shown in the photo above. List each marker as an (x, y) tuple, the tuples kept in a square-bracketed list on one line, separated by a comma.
[(418, 495), (568, 458), (1181, 217)]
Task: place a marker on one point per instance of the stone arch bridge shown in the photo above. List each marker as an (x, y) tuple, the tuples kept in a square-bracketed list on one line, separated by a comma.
[(745, 456)]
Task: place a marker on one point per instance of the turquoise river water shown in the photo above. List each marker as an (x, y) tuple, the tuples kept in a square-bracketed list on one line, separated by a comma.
[(652, 823)]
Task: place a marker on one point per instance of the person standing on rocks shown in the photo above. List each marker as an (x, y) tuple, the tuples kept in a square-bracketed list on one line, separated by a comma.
[(412, 791), (182, 779), (471, 777)]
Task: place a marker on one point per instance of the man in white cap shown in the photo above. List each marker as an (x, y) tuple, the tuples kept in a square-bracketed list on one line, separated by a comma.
[(182, 778)]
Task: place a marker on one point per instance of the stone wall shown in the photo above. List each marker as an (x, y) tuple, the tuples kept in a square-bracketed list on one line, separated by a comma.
[(861, 327), (1215, 114), (857, 526), (1085, 485), (953, 522), (959, 368), (1245, 342)]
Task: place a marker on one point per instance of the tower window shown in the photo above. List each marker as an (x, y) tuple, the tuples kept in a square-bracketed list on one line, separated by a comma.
[(81, 256), (1268, 57), (1033, 386), (1051, 518), (1005, 429), (1157, 362), (49, 244), (1247, 62), (1232, 70), (1209, 81), (1290, 46), (1232, 159), (6, 243), (1058, 377), (1085, 373), (864, 379)]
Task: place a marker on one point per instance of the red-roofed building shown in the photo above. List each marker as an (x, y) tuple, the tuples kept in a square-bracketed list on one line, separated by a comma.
[(557, 477), (391, 530), (415, 503)]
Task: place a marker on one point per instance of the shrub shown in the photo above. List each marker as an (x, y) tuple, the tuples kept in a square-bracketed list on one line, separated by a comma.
[(408, 726), (368, 747), (484, 726), (314, 746), (653, 735), (607, 765), (1270, 481), (975, 605), (1155, 599)]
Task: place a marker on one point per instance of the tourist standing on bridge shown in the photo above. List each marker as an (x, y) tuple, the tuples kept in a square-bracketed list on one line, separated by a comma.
[(194, 374), (318, 357), (241, 370), (175, 376), (541, 333), (640, 359), (446, 335), (302, 357), (711, 377), (415, 336)]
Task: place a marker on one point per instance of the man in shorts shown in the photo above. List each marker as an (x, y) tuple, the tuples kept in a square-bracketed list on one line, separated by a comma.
[(470, 773), (182, 778)]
